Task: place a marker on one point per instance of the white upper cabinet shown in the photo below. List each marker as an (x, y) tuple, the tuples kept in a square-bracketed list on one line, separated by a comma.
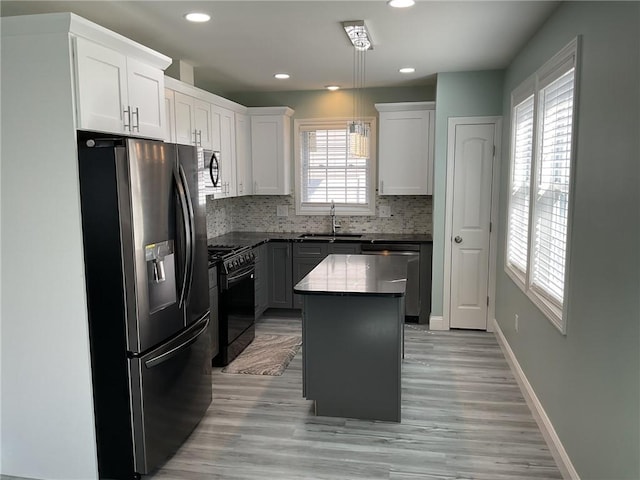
[(271, 150), (224, 142), (118, 93), (406, 148), (193, 121), (244, 172)]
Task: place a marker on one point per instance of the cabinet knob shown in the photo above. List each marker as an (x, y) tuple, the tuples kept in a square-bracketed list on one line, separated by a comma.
[(458, 239)]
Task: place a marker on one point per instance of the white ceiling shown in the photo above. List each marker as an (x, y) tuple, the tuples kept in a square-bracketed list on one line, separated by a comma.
[(246, 42)]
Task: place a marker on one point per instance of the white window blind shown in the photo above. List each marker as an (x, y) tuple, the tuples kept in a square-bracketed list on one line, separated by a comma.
[(536, 251), (518, 234), (329, 172), (552, 182)]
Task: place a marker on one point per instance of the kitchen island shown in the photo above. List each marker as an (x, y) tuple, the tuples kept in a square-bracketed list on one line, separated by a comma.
[(352, 336)]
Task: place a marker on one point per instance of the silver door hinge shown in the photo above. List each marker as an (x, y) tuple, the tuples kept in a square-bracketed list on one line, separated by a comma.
[(494, 150), (490, 227), (487, 301)]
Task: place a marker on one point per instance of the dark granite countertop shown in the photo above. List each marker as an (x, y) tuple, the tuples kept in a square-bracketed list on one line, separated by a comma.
[(369, 275), (253, 239)]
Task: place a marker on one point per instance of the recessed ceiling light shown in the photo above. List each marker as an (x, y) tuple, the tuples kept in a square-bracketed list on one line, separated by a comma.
[(401, 3), (281, 76), (197, 17), (333, 88), (407, 70)]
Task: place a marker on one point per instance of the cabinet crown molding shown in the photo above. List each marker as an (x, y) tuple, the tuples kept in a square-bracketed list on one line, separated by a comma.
[(52, 23), (270, 111), (405, 106)]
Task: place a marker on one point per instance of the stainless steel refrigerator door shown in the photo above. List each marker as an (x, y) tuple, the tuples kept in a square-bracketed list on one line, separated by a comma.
[(151, 256), (171, 391), (198, 298)]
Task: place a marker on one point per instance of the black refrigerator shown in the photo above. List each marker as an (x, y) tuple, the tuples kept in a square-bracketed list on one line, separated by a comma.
[(145, 255)]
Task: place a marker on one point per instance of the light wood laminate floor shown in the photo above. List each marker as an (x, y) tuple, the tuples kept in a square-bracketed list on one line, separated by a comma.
[(463, 417)]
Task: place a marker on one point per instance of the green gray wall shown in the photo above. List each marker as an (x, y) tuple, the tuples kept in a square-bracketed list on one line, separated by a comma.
[(323, 103), (588, 380), (460, 94)]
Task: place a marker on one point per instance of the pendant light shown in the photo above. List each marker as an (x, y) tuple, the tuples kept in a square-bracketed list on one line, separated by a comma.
[(358, 35)]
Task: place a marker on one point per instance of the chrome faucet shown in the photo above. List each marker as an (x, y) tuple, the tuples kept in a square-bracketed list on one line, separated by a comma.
[(332, 212)]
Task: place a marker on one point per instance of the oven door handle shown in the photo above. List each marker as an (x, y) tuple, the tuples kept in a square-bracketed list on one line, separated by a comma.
[(240, 276)]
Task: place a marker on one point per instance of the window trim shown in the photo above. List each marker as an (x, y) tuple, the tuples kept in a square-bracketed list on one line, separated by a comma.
[(341, 209), (563, 61)]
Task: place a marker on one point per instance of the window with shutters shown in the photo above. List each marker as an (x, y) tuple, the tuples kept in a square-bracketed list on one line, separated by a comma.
[(331, 167), (542, 139)]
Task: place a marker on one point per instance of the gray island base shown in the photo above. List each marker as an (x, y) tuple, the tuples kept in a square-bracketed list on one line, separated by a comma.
[(352, 334)]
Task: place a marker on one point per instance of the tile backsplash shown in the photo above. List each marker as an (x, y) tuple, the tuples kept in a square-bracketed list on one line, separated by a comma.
[(409, 214)]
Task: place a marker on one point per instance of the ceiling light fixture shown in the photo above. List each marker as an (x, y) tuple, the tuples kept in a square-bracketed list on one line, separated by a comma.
[(358, 130), (197, 17), (282, 76), (407, 70), (401, 3), (333, 88)]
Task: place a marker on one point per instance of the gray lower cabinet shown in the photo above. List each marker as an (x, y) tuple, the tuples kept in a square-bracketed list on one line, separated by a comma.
[(261, 279), (305, 258), (307, 255), (280, 286)]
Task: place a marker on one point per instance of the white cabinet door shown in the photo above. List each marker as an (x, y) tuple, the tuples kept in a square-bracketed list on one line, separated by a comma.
[(243, 155), (224, 141), (202, 122), (185, 119), (145, 85), (116, 93), (101, 92), (170, 117), (406, 150), (270, 153)]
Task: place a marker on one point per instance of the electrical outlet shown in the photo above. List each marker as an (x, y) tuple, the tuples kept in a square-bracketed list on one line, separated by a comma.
[(384, 211), (282, 210), (516, 322)]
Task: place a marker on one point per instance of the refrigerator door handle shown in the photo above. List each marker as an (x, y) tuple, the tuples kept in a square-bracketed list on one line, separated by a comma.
[(155, 361), (192, 230), (182, 200)]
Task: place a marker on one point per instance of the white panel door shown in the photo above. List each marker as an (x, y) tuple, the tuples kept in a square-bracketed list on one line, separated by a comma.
[(243, 155), (101, 88), (224, 141), (471, 217), (146, 99), (266, 153), (185, 123), (170, 118), (202, 120)]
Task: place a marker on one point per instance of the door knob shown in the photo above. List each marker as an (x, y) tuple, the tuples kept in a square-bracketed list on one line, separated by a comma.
[(458, 239)]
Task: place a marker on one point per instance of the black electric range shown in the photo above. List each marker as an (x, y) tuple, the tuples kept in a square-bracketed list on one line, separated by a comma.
[(236, 299)]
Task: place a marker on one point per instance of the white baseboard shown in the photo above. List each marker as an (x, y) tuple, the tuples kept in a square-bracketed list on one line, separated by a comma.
[(437, 323), (560, 455)]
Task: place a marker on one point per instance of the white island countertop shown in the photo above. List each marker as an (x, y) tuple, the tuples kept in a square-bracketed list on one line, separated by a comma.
[(373, 275)]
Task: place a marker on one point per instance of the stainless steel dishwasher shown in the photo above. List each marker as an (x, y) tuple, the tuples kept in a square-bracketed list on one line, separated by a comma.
[(412, 295)]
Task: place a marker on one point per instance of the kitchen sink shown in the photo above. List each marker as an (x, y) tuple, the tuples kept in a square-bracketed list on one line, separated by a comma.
[(330, 236)]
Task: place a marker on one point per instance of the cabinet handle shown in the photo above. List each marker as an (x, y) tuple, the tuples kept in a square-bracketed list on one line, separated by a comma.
[(382, 186), (195, 137), (137, 114), (240, 188), (199, 138), (255, 187), (127, 118)]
